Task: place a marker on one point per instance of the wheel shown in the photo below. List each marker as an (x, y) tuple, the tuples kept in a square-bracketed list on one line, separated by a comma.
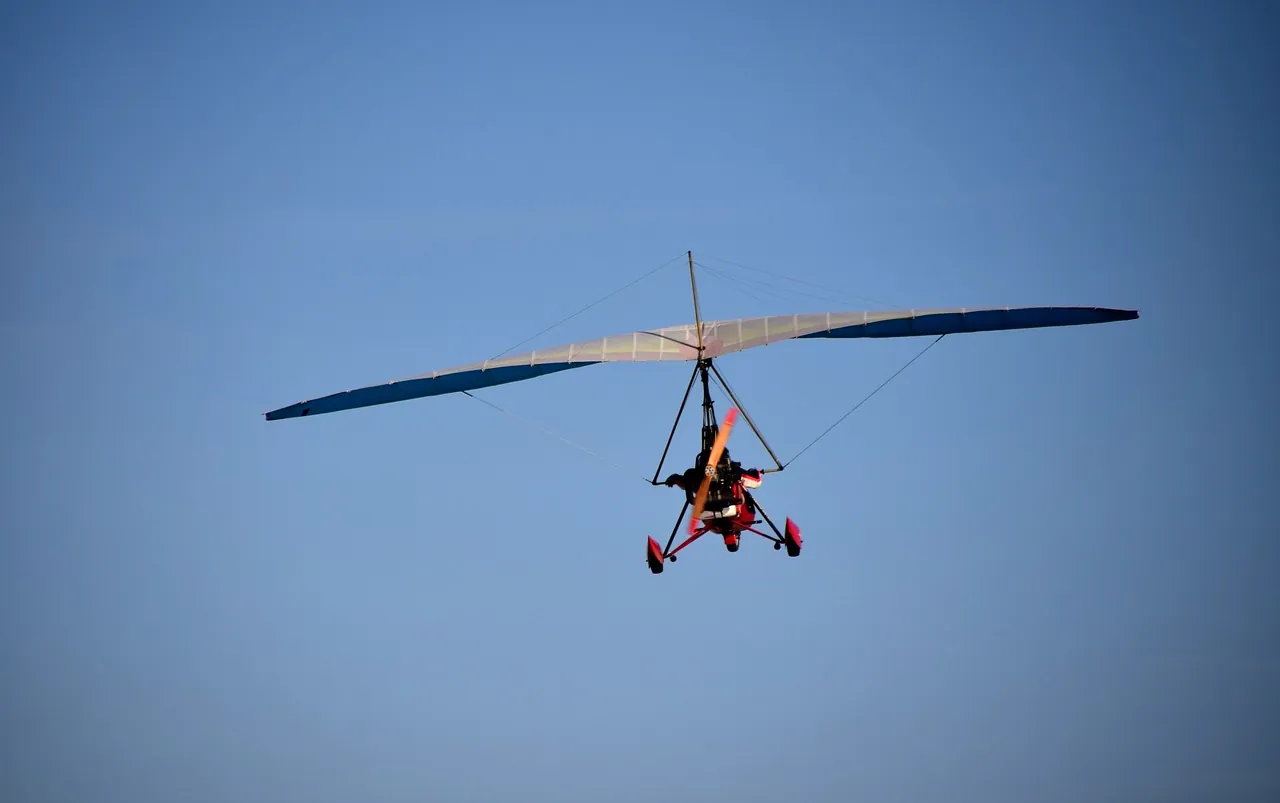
[(653, 557), (792, 539), (671, 558), (777, 545)]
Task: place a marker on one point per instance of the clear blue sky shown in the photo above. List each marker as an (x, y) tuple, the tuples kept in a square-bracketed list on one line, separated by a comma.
[(1039, 565)]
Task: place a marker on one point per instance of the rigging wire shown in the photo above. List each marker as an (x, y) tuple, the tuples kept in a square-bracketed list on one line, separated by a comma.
[(864, 400), (716, 381), (798, 281), (733, 282), (772, 289), (729, 280), (538, 426), (601, 300), (553, 434)]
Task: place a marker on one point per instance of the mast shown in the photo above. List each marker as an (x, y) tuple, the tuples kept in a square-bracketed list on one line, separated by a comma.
[(697, 314), (709, 427)]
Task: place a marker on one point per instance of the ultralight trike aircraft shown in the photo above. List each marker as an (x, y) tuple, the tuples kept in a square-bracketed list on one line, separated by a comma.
[(717, 488)]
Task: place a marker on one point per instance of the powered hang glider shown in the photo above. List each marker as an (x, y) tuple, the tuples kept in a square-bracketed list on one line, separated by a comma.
[(722, 501)]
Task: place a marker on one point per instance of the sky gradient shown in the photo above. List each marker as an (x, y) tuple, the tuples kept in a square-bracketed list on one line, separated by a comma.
[(1038, 565)]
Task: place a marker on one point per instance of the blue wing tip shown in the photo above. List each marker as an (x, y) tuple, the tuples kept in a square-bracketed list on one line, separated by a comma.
[(292, 411)]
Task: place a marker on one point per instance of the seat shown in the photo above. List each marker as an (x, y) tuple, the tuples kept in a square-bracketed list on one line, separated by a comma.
[(719, 513), (721, 503)]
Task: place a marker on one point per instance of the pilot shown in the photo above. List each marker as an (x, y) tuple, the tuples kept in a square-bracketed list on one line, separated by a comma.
[(730, 481)]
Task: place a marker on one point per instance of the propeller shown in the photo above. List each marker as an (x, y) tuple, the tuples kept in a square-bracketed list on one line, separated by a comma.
[(717, 449)]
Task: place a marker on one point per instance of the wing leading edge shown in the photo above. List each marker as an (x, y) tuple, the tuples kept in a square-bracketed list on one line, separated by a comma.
[(680, 343)]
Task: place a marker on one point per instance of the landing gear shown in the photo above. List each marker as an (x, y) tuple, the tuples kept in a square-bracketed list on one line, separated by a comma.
[(790, 538)]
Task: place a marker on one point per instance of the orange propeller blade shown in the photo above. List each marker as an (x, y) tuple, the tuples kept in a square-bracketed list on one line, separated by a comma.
[(717, 449)]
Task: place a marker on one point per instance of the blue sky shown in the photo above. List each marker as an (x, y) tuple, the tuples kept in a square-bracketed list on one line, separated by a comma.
[(1038, 564)]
